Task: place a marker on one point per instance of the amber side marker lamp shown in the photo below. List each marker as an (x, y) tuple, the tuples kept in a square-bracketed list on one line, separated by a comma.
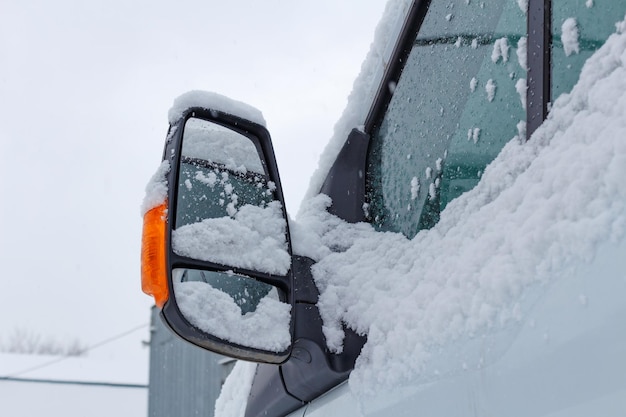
[(153, 269)]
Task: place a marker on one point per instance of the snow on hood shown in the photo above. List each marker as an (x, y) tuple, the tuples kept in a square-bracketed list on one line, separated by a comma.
[(540, 210), (214, 101)]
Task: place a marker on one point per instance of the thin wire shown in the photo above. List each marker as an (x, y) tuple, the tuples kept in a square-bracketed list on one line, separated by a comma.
[(62, 358)]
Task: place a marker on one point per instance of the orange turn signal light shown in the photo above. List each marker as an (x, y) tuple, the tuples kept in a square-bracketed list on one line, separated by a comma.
[(153, 268)]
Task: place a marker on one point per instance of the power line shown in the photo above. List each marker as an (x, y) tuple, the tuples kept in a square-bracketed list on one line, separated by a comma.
[(89, 383), (62, 358)]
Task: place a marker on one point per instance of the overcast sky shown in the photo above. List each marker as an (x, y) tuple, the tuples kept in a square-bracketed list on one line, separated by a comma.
[(84, 91)]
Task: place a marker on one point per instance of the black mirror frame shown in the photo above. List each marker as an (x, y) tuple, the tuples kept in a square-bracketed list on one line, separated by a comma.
[(170, 312)]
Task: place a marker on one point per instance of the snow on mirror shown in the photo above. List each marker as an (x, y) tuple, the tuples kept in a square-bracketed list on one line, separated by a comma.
[(234, 308), (226, 211)]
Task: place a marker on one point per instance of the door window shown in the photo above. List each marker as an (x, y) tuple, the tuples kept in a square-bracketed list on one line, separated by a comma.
[(460, 98), (578, 29)]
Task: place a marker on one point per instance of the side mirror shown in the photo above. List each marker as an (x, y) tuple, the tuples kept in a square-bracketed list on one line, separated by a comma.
[(216, 255)]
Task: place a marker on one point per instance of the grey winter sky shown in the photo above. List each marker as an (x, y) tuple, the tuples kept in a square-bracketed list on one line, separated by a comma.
[(84, 93)]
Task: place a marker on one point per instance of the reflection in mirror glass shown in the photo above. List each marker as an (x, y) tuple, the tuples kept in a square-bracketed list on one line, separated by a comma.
[(226, 211), (234, 308)]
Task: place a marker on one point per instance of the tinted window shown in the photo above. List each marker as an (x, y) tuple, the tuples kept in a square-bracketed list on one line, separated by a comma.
[(455, 106), (578, 29)]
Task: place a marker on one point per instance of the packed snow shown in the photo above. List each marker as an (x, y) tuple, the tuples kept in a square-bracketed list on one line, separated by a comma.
[(540, 210), (213, 101), (156, 190), (254, 238), (217, 313)]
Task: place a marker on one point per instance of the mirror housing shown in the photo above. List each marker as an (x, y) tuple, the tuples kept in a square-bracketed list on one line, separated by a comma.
[(216, 254)]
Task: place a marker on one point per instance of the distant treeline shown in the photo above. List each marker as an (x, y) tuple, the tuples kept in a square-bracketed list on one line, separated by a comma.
[(31, 343)]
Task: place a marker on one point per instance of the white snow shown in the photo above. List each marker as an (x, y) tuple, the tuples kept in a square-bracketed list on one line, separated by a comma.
[(217, 313), (234, 395), (521, 87), (523, 5), (522, 51), (213, 101), (255, 238), (490, 88), (500, 50), (156, 190), (415, 188), (473, 84), (540, 210), (589, 3), (214, 143), (569, 36)]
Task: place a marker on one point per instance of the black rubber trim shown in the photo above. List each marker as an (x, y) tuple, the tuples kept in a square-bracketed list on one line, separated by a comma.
[(539, 65)]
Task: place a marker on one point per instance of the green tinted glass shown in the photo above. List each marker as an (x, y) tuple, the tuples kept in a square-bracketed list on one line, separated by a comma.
[(578, 29), (458, 101)]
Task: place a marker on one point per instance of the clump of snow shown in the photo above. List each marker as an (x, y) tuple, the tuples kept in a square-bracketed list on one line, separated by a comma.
[(522, 52), (589, 3), (217, 313), (213, 101), (523, 5), (540, 210), (415, 188), (569, 36), (490, 88), (156, 190), (473, 84), (521, 87), (233, 398), (500, 50), (255, 238)]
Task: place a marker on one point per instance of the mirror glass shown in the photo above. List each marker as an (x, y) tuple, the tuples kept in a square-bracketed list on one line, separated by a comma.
[(226, 210), (234, 308)]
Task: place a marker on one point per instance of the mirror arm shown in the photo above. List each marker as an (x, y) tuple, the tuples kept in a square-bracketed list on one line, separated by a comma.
[(345, 182), (311, 369)]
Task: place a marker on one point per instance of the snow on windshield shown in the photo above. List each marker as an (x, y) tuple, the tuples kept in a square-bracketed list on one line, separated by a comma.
[(540, 210), (254, 238), (214, 311), (214, 101)]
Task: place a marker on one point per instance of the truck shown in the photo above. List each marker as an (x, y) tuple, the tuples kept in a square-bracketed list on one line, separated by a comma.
[(461, 249)]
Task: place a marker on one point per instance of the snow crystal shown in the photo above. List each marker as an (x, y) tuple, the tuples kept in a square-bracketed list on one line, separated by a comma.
[(156, 190), (473, 84), (569, 36), (490, 88), (415, 188), (214, 101), (500, 50), (522, 51), (521, 87)]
